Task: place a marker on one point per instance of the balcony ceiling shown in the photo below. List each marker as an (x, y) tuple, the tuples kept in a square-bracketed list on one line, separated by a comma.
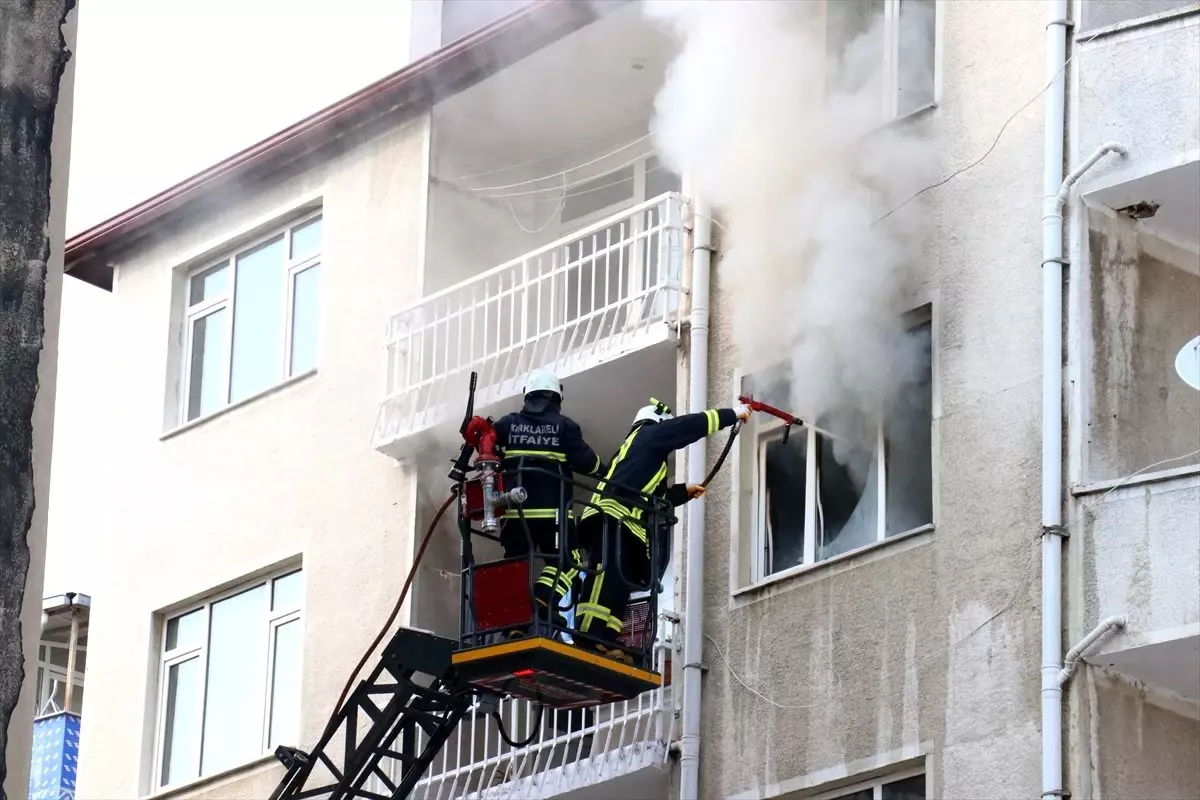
[(1173, 665), (555, 98), (1177, 193)]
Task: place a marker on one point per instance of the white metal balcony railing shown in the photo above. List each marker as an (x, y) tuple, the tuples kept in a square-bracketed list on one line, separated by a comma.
[(567, 753), (588, 298)]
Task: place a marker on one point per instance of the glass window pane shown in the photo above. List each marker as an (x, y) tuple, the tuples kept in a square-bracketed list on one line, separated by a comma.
[(181, 724), (212, 282), (304, 320), (257, 320), (909, 434), (288, 592), (237, 654), (77, 700), (59, 655), (659, 179), (853, 44), (785, 467), (916, 42), (847, 485), (186, 631), (908, 789), (861, 794), (306, 240), (285, 685), (210, 351)]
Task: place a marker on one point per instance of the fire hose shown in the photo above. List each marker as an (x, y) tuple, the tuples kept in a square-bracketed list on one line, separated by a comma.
[(788, 418)]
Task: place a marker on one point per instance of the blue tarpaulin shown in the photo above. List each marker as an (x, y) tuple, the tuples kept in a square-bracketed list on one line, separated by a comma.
[(55, 757)]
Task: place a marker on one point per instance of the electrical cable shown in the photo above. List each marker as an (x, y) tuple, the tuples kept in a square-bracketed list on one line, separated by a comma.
[(391, 617), (583, 181), (566, 171), (542, 158), (995, 142), (537, 728)]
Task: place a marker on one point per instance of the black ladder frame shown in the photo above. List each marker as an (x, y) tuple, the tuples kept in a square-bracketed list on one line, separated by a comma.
[(397, 704)]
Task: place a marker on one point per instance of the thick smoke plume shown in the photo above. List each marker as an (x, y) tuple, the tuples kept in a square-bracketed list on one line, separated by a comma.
[(777, 111)]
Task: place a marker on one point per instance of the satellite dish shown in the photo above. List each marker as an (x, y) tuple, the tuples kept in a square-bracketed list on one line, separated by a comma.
[(1187, 363)]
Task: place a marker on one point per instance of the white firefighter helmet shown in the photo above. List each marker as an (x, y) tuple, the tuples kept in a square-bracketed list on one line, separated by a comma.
[(543, 380), (657, 411)]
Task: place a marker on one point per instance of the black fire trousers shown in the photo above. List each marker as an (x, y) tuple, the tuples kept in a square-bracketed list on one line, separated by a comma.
[(605, 594), (555, 582)]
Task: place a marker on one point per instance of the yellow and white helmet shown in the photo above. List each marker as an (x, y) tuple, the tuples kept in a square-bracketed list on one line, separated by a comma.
[(657, 411)]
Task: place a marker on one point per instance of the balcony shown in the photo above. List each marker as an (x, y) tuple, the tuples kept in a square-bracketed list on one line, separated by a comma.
[(1135, 523), (618, 750), (604, 292)]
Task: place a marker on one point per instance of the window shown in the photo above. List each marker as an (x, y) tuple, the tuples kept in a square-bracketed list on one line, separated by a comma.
[(229, 686), (820, 493), (53, 655), (893, 787), (252, 319), (888, 44)]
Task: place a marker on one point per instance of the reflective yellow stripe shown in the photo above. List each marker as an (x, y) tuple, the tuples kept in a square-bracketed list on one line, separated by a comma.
[(532, 513), (547, 454), (714, 421)]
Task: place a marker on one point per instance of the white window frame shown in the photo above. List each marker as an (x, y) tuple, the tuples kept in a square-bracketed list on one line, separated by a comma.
[(875, 785), (227, 301), (53, 673), (890, 101), (170, 658), (760, 538)]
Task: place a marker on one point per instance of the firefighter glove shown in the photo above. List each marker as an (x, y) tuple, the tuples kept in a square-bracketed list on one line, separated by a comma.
[(695, 490), (742, 411)]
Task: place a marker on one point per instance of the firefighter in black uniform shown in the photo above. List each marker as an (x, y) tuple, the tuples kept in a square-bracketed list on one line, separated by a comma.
[(540, 436), (639, 466)]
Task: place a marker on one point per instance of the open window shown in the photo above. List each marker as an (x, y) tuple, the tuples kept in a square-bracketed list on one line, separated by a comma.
[(889, 44), (819, 492)]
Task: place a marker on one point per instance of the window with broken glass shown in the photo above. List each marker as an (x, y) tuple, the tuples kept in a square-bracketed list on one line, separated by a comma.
[(844, 484), (251, 319), (882, 45)]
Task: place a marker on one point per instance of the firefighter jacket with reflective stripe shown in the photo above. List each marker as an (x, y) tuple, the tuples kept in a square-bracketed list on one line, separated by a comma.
[(641, 466), (539, 436)]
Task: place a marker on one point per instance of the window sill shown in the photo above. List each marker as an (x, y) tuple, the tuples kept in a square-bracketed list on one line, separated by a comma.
[(198, 421), (844, 561), (241, 770)]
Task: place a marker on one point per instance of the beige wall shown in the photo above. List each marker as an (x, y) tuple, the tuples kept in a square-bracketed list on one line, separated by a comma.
[(290, 475), (891, 657)]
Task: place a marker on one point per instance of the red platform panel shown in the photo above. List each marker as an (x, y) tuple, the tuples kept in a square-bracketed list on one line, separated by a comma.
[(503, 597)]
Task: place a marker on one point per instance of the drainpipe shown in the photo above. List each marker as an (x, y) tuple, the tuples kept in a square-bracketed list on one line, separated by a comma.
[(693, 628), (1102, 631), (1055, 191)]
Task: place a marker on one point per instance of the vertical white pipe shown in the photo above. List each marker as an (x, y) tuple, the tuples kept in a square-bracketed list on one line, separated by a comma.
[(1052, 278), (693, 628)]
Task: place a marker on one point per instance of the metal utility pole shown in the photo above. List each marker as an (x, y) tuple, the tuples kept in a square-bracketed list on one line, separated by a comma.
[(33, 56)]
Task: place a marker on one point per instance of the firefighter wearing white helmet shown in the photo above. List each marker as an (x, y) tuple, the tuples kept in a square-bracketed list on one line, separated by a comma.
[(543, 448), (616, 510)]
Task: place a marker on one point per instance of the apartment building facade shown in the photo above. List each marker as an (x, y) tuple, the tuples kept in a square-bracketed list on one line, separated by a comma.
[(499, 206)]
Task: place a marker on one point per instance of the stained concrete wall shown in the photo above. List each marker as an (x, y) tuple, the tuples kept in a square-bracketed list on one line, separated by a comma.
[(925, 651), (1143, 311), (1139, 743), (37, 79), (287, 476)]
